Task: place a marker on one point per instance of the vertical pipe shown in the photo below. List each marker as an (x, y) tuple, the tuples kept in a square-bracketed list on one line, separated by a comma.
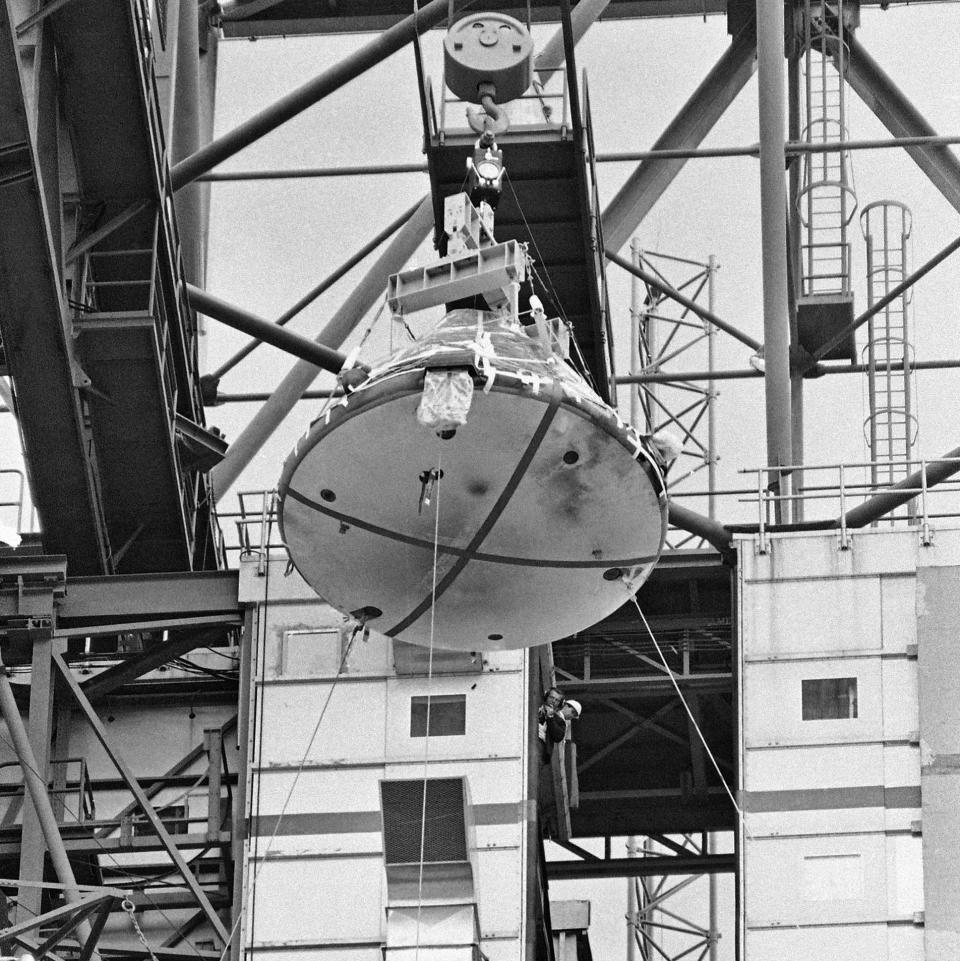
[(341, 325), (531, 822), (795, 235), (631, 903), (635, 334), (711, 392), (907, 393), (712, 903), (185, 136), (239, 835), (773, 230), (37, 789), (871, 360)]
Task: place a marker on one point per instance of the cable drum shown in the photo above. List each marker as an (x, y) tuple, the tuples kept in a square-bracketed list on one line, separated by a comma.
[(551, 505)]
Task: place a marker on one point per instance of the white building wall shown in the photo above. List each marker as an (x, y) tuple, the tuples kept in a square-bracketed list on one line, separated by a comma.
[(832, 846), (316, 885)]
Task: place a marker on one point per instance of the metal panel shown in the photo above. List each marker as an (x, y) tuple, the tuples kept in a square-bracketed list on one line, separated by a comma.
[(815, 616), (352, 729), (773, 712), (939, 667), (317, 900), (326, 851), (814, 944), (489, 730), (832, 863), (898, 604), (812, 880)]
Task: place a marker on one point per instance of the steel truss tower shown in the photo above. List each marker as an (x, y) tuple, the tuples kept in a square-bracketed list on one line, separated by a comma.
[(664, 334)]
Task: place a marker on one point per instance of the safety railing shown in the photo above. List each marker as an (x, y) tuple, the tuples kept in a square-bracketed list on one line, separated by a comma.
[(544, 107), (73, 800), (253, 527), (844, 487), (13, 488), (82, 788)]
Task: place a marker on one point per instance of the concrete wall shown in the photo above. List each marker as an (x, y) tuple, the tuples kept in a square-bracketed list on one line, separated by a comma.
[(318, 887), (843, 854)]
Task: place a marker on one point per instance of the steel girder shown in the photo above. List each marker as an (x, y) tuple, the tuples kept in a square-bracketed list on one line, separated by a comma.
[(642, 867), (39, 349), (171, 848)]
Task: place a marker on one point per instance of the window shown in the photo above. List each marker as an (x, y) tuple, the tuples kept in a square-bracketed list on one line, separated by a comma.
[(829, 698), (448, 715)]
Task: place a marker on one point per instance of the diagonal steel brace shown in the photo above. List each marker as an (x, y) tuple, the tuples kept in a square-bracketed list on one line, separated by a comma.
[(148, 810)]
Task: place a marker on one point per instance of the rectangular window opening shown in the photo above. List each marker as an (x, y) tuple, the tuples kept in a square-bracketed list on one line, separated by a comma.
[(829, 698), (448, 715)]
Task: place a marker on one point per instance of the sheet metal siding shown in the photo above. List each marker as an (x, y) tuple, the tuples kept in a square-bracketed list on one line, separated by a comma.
[(322, 890), (832, 856), (939, 669)]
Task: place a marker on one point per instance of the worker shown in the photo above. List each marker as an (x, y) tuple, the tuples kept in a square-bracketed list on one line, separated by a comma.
[(552, 718)]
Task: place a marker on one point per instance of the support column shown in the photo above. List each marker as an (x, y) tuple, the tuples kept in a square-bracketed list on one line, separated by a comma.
[(711, 390), (185, 137), (40, 720), (37, 790), (794, 238), (631, 902), (247, 641), (773, 232)]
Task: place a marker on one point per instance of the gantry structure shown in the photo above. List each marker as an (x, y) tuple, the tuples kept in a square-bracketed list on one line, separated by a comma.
[(106, 155)]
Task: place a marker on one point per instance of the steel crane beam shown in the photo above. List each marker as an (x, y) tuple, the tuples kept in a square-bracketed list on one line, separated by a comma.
[(317, 354), (40, 352), (891, 106), (642, 867), (695, 120)]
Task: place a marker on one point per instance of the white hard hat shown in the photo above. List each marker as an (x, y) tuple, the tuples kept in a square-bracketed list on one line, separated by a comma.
[(575, 705)]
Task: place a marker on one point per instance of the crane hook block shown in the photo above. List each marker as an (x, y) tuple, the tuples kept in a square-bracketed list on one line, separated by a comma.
[(488, 48)]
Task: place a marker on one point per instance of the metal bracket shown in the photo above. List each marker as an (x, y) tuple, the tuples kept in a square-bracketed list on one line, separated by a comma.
[(29, 586), (488, 270)]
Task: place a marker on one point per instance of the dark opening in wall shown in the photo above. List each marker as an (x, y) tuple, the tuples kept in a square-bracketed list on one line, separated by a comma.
[(829, 698), (448, 715)]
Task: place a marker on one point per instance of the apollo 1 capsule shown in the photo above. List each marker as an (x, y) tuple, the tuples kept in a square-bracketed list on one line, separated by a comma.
[(475, 493)]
